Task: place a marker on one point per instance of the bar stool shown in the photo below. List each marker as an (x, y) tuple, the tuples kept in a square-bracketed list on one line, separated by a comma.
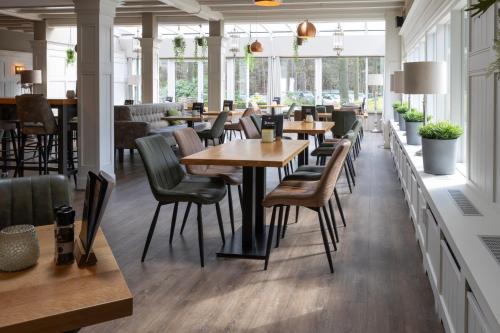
[(310, 194), (36, 119)]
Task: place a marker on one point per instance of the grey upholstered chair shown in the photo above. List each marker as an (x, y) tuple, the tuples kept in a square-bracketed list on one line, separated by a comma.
[(343, 122), (216, 131), (290, 111), (31, 200), (170, 185)]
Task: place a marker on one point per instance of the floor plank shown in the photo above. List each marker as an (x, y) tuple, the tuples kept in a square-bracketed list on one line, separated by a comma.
[(379, 284)]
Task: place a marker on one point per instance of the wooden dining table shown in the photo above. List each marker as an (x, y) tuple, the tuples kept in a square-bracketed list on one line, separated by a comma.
[(50, 298), (254, 156), (303, 130), (66, 110)]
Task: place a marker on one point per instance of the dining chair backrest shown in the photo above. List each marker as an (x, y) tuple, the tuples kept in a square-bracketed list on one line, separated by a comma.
[(162, 166), (248, 112), (169, 99), (257, 121), (249, 128), (329, 108), (332, 170), (320, 108), (343, 122), (290, 111), (35, 115), (277, 100), (218, 126), (189, 143)]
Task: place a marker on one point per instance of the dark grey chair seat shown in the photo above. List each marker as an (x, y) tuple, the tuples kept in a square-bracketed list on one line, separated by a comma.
[(197, 189)]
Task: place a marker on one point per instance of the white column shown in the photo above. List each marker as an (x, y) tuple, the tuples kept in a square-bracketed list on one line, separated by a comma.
[(200, 80), (230, 87), (216, 65), (392, 62), (149, 65), (95, 87), (318, 80), (39, 45)]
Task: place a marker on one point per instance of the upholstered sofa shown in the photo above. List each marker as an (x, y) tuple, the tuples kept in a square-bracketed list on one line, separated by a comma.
[(140, 120)]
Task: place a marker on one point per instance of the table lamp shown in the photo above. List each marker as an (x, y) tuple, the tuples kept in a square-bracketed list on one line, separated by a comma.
[(31, 77), (376, 80), (425, 77)]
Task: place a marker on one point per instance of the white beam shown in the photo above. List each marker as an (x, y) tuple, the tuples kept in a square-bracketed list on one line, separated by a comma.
[(195, 8), (26, 16)]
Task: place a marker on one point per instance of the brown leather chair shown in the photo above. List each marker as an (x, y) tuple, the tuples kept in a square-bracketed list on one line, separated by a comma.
[(189, 143), (249, 128), (236, 127), (314, 195)]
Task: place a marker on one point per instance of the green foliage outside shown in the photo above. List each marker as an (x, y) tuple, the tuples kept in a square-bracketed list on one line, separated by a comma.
[(343, 81), (441, 131), (186, 88)]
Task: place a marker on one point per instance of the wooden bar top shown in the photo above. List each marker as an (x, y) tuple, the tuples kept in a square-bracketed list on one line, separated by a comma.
[(314, 128), (52, 101), (50, 298), (249, 153)]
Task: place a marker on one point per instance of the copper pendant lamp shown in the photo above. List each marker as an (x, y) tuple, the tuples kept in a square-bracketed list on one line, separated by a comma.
[(256, 47), (306, 30), (267, 3)]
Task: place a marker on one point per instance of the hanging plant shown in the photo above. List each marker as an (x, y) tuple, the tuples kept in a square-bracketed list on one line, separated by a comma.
[(249, 58), (296, 45), (70, 56), (179, 47), (203, 43)]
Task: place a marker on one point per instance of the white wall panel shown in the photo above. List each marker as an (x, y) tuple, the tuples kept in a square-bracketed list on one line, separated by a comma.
[(9, 85)]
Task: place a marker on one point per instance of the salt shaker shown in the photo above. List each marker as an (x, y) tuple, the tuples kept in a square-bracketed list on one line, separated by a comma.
[(64, 235)]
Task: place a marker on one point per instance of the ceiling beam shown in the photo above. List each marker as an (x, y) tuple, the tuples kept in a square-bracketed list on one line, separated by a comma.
[(193, 7), (26, 16)]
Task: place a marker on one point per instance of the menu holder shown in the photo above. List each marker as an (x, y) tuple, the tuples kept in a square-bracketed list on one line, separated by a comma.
[(309, 111), (198, 107), (274, 123), (98, 191)]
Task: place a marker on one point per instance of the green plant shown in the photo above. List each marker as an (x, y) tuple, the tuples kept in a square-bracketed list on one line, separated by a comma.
[(179, 47), (70, 56), (295, 46), (481, 7), (441, 131), (396, 105), (249, 58), (403, 108), (200, 42), (413, 116)]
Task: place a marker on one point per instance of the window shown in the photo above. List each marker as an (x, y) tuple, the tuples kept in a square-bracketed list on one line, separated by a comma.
[(297, 81), (183, 80), (343, 80), (375, 100), (186, 80), (258, 81), (163, 78), (249, 85)]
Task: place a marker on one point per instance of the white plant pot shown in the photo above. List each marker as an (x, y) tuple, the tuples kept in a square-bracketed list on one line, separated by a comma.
[(439, 156), (412, 136)]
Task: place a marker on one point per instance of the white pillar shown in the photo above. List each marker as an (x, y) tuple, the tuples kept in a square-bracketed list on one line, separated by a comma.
[(230, 86), (149, 67), (39, 45), (318, 80), (216, 65), (95, 87), (392, 61)]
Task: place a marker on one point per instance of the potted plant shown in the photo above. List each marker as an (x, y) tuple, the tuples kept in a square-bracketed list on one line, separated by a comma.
[(413, 121), (179, 47), (396, 105), (200, 41), (439, 147), (70, 56), (401, 110)]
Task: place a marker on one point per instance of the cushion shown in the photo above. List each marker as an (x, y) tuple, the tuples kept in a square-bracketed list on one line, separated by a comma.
[(174, 113)]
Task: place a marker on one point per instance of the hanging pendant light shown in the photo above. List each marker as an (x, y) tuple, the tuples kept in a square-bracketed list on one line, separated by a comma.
[(338, 40), (267, 3), (306, 30), (256, 47), (234, 42)]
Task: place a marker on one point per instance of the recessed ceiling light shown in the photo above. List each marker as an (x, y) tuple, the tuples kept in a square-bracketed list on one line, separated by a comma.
[(268, 3)]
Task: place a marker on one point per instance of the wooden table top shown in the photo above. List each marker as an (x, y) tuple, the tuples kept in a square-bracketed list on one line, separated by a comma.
[(314, 128), (52, 101), (50, 298), (216, 113), (184, 117), (249, 153), (324, 114)]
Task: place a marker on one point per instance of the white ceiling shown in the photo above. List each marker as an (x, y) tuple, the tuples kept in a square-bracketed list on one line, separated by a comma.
[(19, 14)]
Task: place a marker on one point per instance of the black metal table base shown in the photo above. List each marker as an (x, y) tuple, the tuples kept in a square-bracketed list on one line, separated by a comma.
[(234, 247)]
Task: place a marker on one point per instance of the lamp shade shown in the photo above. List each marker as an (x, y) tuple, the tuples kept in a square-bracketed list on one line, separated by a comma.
[(399, 82), (33, 76), (375, 79), (425, 77), (256, 47), (306, 30)]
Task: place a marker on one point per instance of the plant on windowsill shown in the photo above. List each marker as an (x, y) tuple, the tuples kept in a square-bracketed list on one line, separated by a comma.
[(401, 110), (179, 47), (439, 147), (396, 105), (249, 58), (70, 56), (202, 42), (413, 121)]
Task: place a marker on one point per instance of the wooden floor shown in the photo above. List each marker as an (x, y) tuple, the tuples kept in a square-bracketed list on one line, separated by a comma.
[(378, 286)]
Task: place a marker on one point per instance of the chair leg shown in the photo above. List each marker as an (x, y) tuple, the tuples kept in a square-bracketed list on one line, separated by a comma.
[(40, 153), (329, 228), (280, 225), (347, 176), (221, 226), (332, 220), (325, 240), (186, 214), (270, 238), (200, 236), (297, 214), (240, 194), (151, 231), (341, 211), (287, 213), (279, 174), (349, 168), (172, 224), (230, 202)]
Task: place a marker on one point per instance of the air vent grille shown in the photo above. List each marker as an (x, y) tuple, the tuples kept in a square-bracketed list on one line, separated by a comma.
[(493, 244), (464, 203)]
